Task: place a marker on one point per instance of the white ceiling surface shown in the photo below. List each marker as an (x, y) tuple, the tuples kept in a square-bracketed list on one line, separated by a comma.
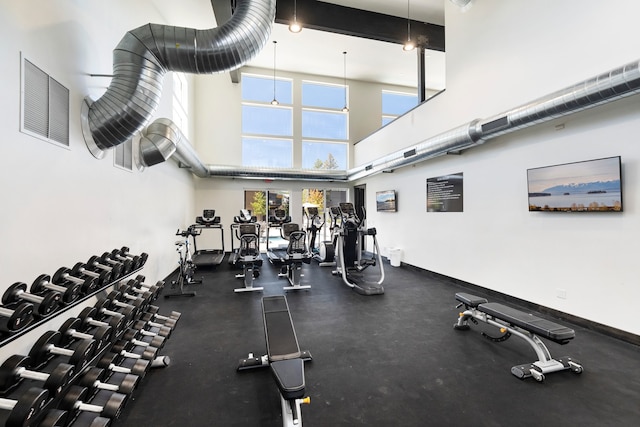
[(320, 53)]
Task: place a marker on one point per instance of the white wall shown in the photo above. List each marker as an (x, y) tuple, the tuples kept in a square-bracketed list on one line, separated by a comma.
[(60, 206), (501, 55)]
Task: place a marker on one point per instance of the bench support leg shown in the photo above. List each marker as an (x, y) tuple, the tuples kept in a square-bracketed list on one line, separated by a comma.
[(545, 363), (291, 413)]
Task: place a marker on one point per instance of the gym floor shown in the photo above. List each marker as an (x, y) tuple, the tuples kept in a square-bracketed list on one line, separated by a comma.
[(385, 360)]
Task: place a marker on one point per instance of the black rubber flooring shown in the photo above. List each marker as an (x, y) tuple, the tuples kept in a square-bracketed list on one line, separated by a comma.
[(385, 360)]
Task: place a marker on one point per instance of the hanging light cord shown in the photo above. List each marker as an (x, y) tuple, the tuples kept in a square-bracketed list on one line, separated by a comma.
[(275, 101), (345, 109)]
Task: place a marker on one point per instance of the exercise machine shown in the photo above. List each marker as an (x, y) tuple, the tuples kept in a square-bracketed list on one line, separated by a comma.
[(350, 233), (245, 217), (283, 357), (530, 328), (248, 256), (297, 253), (324, 252), (277, 254), (208, 257), (186, 267)]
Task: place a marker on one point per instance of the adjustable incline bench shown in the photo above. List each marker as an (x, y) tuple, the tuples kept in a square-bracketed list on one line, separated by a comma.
[(284, 357), (524, 325)]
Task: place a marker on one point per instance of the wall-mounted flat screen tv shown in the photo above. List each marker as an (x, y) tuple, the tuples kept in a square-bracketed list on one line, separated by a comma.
[(587, 186), (386, 201)]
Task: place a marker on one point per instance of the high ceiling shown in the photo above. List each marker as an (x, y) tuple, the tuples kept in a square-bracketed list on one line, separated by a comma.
[(320, 52)]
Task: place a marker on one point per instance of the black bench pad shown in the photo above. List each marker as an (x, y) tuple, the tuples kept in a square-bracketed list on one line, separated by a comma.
[(470, 300), (282, 342), (289, 375), (528, 322)]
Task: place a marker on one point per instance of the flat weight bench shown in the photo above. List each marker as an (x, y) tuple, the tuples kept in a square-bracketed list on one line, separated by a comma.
[(284, 357), (530, 328)]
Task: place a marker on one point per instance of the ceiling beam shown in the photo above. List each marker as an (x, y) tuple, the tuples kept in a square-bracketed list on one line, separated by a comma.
[(348, 21)]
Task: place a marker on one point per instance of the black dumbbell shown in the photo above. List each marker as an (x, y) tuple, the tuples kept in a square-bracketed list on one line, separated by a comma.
[(48, 345), (106, 308), (91, 318), (116, 363), (15, 369), (70, 331), (140, 286), (130, 292), (127, 265), (124, 251), (109, 407), (103, 277), (63, 275), (115, 270), (94, 378), (151, 315), (56, 418), (144, 336), (160, 330), (26, 408), (133, 259), (133, 351), (16, 318), (70, 292), (126, 295), (43, 305)]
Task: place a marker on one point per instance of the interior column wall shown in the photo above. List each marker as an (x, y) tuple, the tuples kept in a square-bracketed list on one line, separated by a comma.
[(499, 57), (61, 206)]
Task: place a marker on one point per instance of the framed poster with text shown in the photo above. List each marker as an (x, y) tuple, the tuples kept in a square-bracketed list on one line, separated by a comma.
[(444, 193)]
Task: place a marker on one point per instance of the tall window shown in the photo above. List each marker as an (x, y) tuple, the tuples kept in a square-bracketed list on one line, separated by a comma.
[(325, 127), (267, 130), (321, 199), (395, 104), (181, 103)]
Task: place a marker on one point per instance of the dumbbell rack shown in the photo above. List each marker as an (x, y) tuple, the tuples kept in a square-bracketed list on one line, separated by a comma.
[(7, 338), (54, 403)]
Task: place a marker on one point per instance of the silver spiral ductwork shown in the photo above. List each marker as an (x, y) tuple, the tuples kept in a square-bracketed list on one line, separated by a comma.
[(146, 53), (602, 89), (607, 87)]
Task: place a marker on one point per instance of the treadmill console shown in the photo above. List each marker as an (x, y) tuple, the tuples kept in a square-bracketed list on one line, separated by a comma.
[(208, 217)]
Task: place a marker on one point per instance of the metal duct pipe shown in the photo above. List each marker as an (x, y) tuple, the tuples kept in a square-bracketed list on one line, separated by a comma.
[(159, 142), (280, 174), (607, 87), (187, 156), (146, 53)]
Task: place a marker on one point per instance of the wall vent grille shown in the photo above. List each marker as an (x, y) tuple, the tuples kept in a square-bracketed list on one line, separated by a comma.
[(45, 105)]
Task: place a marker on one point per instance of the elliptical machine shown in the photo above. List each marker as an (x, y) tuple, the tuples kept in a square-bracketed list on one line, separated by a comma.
[(324, 253), (349, 236)]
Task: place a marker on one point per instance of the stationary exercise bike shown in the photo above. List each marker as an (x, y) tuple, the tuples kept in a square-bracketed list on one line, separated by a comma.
[(349, 236), (297, 253), (324, 253), (186, 266), (247, 231)]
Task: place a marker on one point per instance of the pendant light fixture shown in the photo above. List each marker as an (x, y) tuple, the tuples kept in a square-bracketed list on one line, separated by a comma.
[(275, 101), (294, 26), (345, 109), (408, 45)]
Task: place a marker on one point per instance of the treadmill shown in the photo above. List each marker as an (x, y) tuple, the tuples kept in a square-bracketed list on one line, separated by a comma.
[(204, 258), (277, 254)]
